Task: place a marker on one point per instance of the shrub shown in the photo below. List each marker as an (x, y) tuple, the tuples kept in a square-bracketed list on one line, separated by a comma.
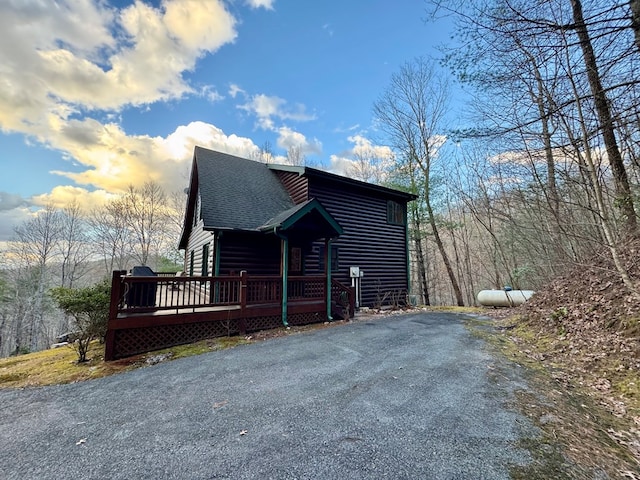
[(89, 309)]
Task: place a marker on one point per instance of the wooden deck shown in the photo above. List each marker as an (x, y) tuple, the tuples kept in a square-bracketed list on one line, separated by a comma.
[(154, 312)]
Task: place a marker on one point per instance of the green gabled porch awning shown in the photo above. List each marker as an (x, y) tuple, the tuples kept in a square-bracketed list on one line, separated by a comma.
[(309, 216)]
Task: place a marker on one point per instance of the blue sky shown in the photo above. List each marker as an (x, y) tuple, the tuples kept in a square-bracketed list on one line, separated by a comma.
[(95, 95)]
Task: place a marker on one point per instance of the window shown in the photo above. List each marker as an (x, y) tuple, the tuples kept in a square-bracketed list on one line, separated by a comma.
[(205, 260), (191, 259), (396, 213), (196, 214), (295, 260), (334, 258)]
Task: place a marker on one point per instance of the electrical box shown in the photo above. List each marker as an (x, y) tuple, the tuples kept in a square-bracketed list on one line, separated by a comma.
[(354, 272)]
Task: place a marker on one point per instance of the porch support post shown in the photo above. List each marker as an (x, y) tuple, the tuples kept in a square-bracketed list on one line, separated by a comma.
[(216, 264), (284, 273), (216, 254), (327, 269)]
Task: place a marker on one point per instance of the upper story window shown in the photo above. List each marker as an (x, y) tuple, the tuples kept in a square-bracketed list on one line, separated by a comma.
[(196, 213), (396, 213)]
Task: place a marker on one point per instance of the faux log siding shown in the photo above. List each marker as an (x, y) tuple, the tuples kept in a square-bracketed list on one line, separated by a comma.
[(197, 239), (369, 242), (297, 186), (258, 254)]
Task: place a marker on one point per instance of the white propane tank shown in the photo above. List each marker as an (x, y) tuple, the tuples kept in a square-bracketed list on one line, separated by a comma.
[(503, 298)]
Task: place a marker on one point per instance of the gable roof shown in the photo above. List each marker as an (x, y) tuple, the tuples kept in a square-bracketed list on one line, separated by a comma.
[(378, 190), (289, 218), (237, 193), (241, 194)]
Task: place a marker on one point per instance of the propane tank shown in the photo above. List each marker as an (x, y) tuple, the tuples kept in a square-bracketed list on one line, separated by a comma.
[(503, 298)]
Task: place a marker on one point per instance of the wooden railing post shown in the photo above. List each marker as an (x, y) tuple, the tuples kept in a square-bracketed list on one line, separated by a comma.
[(242, 322), (109, 339)]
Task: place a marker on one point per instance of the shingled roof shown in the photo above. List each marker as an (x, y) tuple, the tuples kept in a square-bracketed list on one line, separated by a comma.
[(237, 193)]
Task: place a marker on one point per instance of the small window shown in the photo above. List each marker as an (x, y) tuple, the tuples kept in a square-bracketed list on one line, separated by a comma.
[(191, 261), (396, 213), (205, 260), (334, 259), (196, 214), (295, 260)]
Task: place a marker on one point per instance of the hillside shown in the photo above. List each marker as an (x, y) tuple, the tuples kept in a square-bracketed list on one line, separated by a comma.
[(584, 328)]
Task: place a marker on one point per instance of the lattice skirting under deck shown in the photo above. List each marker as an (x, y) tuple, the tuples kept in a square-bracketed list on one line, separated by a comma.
[(132, 341), (140, 340)]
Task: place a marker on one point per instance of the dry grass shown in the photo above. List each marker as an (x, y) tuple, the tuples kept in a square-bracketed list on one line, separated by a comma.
[(588, 432), (58, 366)]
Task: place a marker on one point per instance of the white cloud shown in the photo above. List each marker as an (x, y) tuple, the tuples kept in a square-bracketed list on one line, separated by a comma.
[(266, 108), (113, 160), (266, 4), (288, 138), (9, 219), (72, 56), (9, 201), (234, 90), (211, 94), (363, 146), (364, 160)]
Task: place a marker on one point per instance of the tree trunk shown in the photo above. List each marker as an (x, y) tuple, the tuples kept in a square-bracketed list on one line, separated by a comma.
[(601, 102), (443, 253), (417, 242)]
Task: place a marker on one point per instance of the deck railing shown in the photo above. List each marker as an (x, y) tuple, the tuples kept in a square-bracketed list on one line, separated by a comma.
[(151, 312), (144, 294)]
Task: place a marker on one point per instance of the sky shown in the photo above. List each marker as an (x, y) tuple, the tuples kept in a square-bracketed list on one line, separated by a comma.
[(97, 95)]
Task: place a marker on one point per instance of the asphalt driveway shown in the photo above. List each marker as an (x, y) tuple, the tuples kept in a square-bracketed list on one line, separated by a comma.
[(410, 396)]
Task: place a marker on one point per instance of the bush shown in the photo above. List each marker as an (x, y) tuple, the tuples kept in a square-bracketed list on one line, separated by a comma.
[(89, 308)]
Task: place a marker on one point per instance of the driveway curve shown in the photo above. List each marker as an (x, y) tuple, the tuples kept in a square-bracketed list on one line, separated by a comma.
[(408, 396)]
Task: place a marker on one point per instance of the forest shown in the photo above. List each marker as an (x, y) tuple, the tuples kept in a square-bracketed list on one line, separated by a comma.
[(537, 177)]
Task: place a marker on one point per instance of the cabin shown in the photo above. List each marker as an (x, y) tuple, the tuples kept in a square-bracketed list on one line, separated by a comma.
[(266, 245)]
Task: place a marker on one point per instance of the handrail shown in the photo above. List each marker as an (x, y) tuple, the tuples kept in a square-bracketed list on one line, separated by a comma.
[(338, 293), (147, 294)]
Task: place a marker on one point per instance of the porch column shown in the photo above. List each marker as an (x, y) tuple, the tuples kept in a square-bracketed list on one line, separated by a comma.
[(216, 254), (284, 273), (327, 269), (216, 263)]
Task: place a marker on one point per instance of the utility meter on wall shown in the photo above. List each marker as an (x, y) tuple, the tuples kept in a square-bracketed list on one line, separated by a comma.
[(354, 272)]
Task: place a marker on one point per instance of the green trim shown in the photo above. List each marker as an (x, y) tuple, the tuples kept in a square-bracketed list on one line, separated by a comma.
[(327, 267), (216, 246), (308, 208), (297, 213), (406, 250), (216, 263), (285, 278)]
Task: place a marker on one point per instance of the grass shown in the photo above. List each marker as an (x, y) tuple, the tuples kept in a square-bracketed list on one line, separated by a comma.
[(60, 365), (580, 437)]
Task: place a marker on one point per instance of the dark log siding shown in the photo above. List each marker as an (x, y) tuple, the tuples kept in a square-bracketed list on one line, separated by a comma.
[(258, 254), (368, 242), (297, 186)]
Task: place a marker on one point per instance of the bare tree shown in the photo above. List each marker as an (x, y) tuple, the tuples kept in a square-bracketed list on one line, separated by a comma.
[(73, 247), (146, 215), (295, 156), (368, 166), (412, 111), (110, 235), (33, 249)]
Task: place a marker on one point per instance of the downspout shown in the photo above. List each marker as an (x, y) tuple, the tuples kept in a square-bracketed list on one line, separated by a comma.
[(327, 250), (216, 262), (406, 252), (285, 274)]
